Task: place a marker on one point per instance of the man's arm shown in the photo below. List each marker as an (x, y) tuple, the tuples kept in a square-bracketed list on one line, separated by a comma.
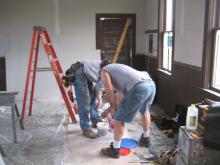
[(109, 90), (99, 88), (99, 98)]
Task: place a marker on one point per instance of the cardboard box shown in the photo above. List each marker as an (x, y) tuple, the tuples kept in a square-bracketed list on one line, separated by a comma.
[(192, 151)]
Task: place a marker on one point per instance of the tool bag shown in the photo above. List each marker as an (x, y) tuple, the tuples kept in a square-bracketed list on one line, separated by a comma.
[(74, 67), (70, 73)]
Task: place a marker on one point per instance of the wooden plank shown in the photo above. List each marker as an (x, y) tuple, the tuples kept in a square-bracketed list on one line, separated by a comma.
[(121, 41)]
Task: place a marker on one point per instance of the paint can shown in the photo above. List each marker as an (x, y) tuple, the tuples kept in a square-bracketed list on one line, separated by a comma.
[(102, 128)]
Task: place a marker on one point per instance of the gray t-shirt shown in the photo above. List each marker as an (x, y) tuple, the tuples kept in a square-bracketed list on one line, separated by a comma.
[(124, 78), (91, 69)]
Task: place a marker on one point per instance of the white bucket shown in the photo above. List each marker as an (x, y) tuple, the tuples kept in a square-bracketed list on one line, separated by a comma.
[(102, 128)]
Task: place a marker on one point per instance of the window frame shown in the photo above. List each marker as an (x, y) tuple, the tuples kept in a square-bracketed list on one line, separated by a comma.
[(162, 31), (212, 60), (212, 24)]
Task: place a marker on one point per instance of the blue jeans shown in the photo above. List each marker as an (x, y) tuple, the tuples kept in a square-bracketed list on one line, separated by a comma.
[(139, 98), (86, 100)]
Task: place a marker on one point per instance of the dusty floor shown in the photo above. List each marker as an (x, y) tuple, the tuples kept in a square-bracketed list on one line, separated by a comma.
[(48, 139)]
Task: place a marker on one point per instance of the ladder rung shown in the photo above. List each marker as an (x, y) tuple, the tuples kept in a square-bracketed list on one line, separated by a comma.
[(44, 69), (39, 28)]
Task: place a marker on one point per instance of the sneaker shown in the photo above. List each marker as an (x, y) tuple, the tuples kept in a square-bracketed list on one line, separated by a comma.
[(111, 151), (89, 133), (144, 141)]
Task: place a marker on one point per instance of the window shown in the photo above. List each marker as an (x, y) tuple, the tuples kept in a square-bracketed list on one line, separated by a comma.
[(166, 26), (211, 58), (151, 38), (216, 62), (167, 50)]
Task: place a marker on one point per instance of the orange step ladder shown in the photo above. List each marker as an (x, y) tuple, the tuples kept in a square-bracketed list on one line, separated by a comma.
[(41, 34)]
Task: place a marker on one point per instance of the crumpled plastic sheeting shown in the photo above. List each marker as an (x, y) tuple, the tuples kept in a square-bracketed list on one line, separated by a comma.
[(42, 142)]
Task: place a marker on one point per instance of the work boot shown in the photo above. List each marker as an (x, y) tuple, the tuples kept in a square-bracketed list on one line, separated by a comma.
[(144, 141), (89, 133), (111, 151)]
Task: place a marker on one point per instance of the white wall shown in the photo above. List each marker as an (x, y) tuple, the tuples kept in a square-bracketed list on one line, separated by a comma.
[(71, 25), (190, 17), (151, 23)]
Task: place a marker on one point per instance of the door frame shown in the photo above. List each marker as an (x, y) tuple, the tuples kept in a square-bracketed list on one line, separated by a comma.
[(122, 16)]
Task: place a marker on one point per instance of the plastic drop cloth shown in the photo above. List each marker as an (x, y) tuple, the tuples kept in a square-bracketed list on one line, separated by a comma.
[(42, 142)]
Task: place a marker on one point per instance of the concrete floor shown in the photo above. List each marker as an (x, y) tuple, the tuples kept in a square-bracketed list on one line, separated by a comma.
[(49, 140)]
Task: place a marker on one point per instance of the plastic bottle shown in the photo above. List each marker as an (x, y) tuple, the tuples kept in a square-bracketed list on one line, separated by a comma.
[(104, 107), (192, 117)]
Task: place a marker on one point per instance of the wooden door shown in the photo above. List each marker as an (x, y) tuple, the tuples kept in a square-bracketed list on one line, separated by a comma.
[(2, 74), (109, 29)]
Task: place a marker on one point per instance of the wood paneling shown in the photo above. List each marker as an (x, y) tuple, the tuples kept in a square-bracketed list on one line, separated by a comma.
[(165, 92), (139, 62), (2, 74), (183, 86), (186, 82)]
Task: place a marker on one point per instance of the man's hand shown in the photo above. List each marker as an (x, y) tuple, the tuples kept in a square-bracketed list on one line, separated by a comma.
[(99, 104), (110, 110)]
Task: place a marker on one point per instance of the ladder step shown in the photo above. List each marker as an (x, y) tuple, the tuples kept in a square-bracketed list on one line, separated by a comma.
[(44, 69), (39, 28)]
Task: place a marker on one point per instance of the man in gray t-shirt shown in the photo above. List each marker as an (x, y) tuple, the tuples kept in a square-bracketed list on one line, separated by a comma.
[(138, 91)]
